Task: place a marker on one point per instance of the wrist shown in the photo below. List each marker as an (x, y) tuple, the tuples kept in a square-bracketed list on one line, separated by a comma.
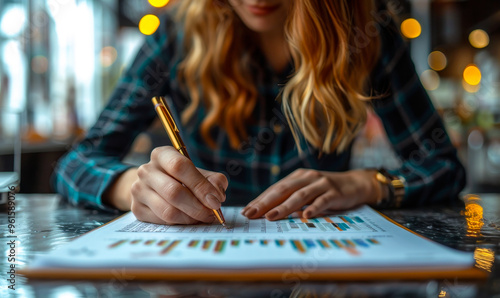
[(394, 186), (118, 194)]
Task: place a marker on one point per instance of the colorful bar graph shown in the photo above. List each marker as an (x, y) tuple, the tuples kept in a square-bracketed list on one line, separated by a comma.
[(309, 243), (206, 244), (193, 243), (235, 242), (116, 244), (219, 246), (361, 243), (162, 243), (358, 219), (323, 243), (298, 246), (327, 219), (346, 219), (170, 247), (280, 242)]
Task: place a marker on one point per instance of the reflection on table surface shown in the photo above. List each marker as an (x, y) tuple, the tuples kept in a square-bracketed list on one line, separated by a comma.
[(43, 222)]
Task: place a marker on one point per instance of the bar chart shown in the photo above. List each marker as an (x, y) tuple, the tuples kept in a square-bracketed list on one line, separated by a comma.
[(353, 246)]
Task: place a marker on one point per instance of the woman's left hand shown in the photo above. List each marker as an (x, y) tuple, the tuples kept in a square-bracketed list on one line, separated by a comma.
[(320, 190)]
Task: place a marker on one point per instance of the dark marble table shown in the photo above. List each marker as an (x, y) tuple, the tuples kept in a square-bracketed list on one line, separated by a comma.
[(43, 222)]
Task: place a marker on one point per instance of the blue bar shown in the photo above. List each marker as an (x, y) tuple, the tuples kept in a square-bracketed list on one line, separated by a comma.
[(361, 242), (348, 219), (309, 243), (344, 226), (358, 219)]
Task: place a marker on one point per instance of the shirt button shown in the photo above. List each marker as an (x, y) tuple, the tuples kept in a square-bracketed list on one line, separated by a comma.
[(277, 128), (275, 170)]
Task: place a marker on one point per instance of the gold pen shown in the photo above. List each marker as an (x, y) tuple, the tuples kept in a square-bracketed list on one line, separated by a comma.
[(168, 122)]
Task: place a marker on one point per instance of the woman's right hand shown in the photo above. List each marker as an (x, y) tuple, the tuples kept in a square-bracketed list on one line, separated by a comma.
[(170, 190)]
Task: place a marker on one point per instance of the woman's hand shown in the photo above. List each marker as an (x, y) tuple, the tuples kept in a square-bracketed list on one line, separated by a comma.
[(320, 190), (171, 190)]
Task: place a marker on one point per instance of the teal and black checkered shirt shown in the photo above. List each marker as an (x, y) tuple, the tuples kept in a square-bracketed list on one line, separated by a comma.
[(429, 162)]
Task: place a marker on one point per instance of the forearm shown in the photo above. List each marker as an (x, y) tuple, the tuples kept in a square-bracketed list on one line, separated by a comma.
[(118, 194)]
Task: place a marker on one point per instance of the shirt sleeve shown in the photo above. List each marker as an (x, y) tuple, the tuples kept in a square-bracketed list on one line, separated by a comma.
[(86, 171), (430, 165)]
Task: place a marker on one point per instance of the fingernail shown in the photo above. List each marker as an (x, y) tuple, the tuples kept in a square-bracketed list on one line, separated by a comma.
[(223, 191), (243, 211), (251, 212), (273, 214), (212, 201)]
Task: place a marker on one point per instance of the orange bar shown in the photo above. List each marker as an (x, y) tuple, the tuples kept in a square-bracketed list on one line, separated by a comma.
[(172, 245), (193, 243), (345, 220), (338, 243), (206, 244), (149, 242), (219, 246), (116, 244), (135, 241), (325, 244), (327, 219), (352, 251), (304, 220), (162, 243), (298, 245)]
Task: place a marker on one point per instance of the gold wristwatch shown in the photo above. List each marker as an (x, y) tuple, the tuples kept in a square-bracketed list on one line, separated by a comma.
[(396, 186)]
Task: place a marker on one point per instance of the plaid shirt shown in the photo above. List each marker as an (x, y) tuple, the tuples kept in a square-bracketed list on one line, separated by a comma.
[(429, 162)]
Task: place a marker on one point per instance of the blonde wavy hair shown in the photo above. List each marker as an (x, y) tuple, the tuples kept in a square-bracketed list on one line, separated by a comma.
[(323, 100)]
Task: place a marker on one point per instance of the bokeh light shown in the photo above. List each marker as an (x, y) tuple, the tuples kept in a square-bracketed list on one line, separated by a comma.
[(437, 60), (411, 28), (158, 3), (470, 88), (472, 75), (108, 56), (148, 24), (430, 79), (479, 38)]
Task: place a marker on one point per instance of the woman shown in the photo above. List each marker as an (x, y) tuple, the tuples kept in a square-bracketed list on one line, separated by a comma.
[(270, 94)]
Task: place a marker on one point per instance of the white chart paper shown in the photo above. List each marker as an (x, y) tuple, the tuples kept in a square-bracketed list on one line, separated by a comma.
[(353, 239)]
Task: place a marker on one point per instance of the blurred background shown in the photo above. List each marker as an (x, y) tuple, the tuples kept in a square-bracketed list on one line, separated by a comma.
[(60, 60)]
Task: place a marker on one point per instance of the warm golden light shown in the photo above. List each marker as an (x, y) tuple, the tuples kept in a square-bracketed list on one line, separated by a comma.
[(484, 258), (473, 215), (437, 60), (430, 79), (470, 88), (108, 56), (148, 24), (411, 28), (158, 3), (472, 75), (479, 38)]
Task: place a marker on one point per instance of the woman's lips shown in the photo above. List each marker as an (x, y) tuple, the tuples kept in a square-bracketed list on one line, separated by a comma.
[(262, 10)]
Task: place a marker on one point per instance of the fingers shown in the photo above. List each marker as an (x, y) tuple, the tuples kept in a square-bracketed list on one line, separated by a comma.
[(218, 180), (183, 170), (281, 192), (170, 189), (180, 208), (305, 195)]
